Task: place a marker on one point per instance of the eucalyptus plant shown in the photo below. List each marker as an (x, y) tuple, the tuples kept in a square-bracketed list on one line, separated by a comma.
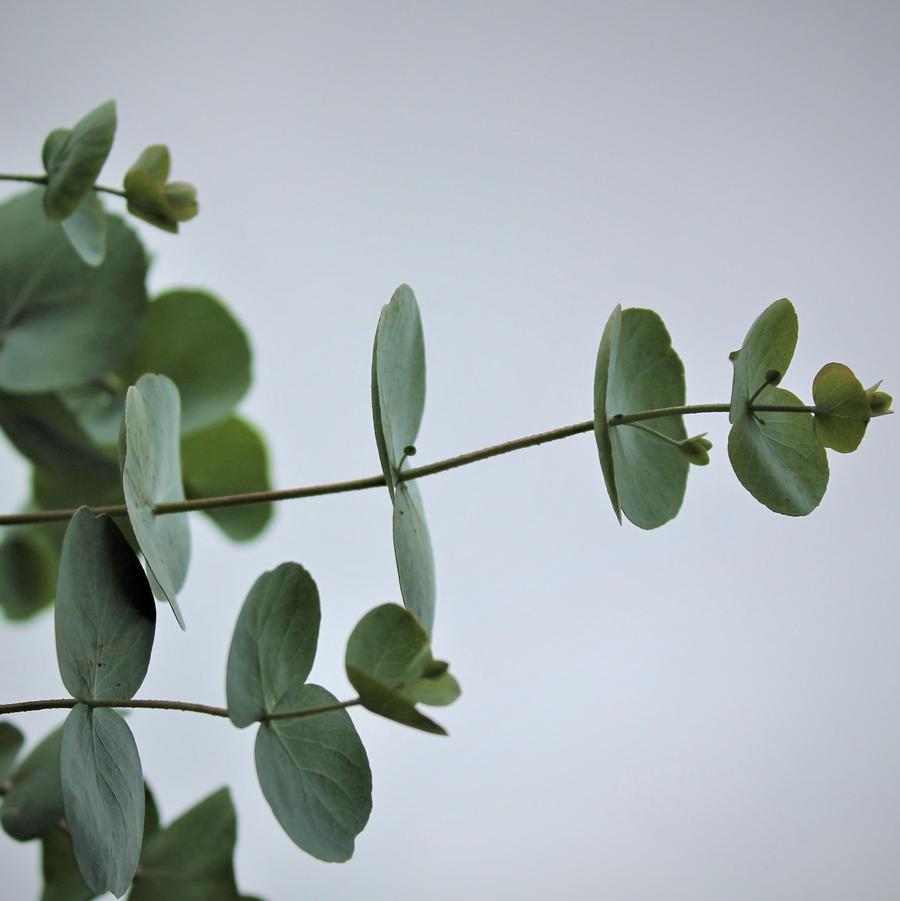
[(125, 408)]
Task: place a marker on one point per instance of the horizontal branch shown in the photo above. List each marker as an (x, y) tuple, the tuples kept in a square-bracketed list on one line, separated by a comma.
[(183, 706), (42, 180), (416, 472)]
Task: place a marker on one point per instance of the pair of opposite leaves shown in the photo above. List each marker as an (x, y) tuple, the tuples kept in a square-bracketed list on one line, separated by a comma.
[(73, 159)]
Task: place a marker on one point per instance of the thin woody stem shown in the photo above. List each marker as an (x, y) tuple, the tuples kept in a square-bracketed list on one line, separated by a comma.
[(42, 180)]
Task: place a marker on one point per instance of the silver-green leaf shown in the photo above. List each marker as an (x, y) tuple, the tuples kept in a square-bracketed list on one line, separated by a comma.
[(413, 553)]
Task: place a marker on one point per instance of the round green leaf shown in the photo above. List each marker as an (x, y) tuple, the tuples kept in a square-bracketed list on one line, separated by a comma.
[(86, 230), (274, 643), (33, 806), (638, 369), (228, 458), (73, 160), (28, 560), (149, 196), (398, 381), (389, 663), (768, 348), (189, 336), (11, 741), (103, 790), (62, 322), (62, 878), (413, 553), (105, 615), (151, 475), (315, 774), (842, 408), (778, 457), (191, 859)]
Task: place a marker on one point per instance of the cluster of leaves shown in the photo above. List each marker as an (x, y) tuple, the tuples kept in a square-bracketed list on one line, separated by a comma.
[(73, 158), (776, 444)]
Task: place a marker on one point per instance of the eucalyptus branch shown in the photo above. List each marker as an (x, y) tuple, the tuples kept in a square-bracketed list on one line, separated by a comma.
[(183, 706), (42, 180)]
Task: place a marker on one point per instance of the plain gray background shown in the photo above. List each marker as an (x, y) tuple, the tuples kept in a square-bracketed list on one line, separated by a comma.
[(706, 711)]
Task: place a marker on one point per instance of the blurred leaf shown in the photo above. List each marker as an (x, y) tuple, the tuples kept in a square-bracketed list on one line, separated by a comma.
[(189, 336), (105, 615), (696, 450), (315, 775), (637, 370), (842, 408), (412, 550), (11, 741), (62, 322), (34, 804), (228, 458), (389, 663), (398, 381), (274, 643), (775, 455), (28, 560), (103, 789), (778, 458), (86, 230), (73, 160), (151, 199), (151, 475), (879, 401), (191, 859), (62, 879)]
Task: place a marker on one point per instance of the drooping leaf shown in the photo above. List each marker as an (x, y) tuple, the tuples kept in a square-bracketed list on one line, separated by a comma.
[(778, 458), (412, 550), (189, 336), (62, 878), (842, 408), (33, 806), (73, 160), (105, 615), (228, 458), (86, 230), (274, 643), (11, 741), (103, 790), (398, 381), (151, 475), (29, 557), (154, 200), (637, 370), (63, 322), (389, 663), (775, 455), (315, 774), (191, 859)]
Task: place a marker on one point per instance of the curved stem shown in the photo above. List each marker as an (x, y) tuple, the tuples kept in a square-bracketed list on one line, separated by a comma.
[(42, 180), (183, 706)]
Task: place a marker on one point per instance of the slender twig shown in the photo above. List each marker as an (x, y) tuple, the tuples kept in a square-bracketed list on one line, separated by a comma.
[(183, 706), (42, 180), (416, 472)]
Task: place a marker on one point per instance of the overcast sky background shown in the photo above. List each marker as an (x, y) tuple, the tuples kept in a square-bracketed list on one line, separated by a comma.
[(702, 712)]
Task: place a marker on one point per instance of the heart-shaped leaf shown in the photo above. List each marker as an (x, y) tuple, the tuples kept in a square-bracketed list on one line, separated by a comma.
[(775, 454), (73, 160), (412, 550), (151, 474), (11, 741), (842, 408), (398, 381), (389, 663), (229, 458), (315, 774), (103, 790), (638, 369), (62, 322), (189, 336), (154, 200), (105, 615), (274, 643), (191, 859), (86, 230), (34, 803)]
